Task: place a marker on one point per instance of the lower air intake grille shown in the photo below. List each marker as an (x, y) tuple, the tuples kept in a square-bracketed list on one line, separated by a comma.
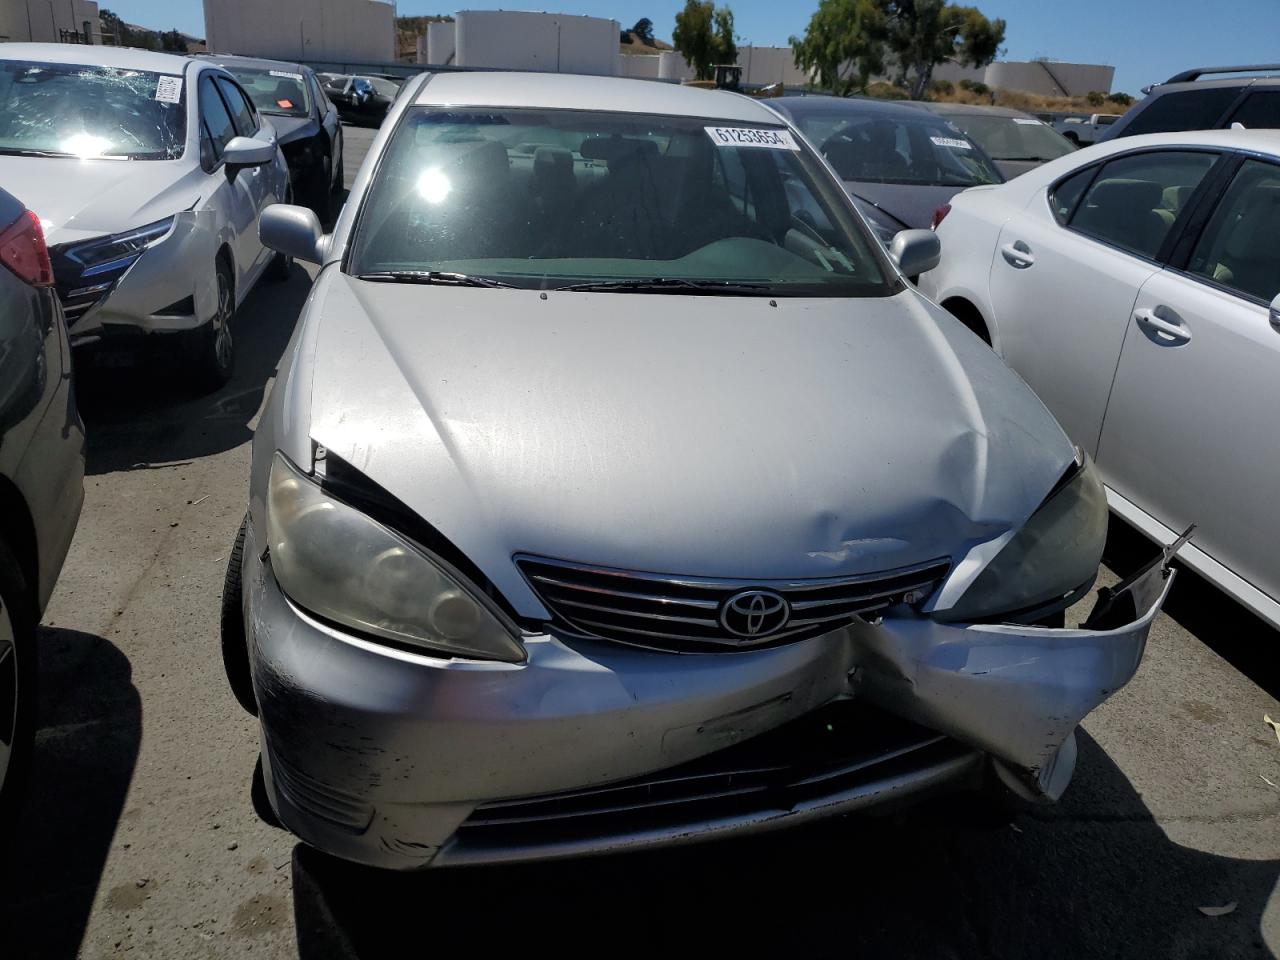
[(694, 614)]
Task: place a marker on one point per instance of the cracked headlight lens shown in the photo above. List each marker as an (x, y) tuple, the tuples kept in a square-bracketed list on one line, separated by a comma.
[(344, 566), (1055, 553)]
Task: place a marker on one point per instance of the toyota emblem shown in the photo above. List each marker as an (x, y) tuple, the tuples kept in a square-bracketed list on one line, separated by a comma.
[(755, 614)]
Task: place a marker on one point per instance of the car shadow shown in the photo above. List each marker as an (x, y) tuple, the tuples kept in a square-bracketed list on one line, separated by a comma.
[(90, 727), (1243, 639), (1093, 876), (145, 412)]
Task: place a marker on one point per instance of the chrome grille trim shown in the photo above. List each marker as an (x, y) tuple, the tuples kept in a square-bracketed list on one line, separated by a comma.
[(683, 613)]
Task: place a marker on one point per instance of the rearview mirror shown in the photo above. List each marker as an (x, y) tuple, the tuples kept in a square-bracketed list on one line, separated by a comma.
[(1275, 312), (915, 251), (248, 152), (293, 231)]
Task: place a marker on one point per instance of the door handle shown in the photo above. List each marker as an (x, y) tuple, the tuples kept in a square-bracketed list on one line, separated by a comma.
[(1018, 255), (1171, 332)]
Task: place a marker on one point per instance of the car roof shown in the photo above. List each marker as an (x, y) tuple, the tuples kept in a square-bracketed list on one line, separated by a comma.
[(605, 94), (1257, 140), (254, 63), (973, 109), (125, 58), (852, 106)]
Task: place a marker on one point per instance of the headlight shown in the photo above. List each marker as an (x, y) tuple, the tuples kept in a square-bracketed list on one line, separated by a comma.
[(1053, 555), (115, 253), (342, 565), (881, 224)]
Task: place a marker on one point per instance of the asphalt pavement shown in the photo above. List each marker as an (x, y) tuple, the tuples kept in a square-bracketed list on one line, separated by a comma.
[(140, 837)]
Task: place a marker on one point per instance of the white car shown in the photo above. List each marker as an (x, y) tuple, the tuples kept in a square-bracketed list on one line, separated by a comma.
[(148, 172), (1134, 286)]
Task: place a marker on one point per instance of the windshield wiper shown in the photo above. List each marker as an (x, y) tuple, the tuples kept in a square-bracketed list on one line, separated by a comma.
[(668, 285), (442, 277), (27, 152)]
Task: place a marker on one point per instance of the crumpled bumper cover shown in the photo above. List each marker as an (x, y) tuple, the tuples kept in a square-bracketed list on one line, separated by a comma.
[(380, 756)]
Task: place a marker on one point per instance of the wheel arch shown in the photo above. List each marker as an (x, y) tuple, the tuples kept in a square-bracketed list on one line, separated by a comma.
[(964, 310)]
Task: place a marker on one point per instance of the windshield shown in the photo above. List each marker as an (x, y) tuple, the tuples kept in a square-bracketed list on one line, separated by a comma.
[(279, 92), (75, 110), (923, 150), (1014, 138), (556, 198)]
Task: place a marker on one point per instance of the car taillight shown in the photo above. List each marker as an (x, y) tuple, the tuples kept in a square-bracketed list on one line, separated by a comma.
[(22, 250), (939, 215)]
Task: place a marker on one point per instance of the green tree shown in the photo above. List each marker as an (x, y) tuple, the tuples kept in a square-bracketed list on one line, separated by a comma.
[(173, 41), (849, 41), (704, 36)]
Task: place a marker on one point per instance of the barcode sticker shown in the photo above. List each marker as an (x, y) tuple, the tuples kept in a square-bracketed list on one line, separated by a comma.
[(951, 142), (285, 74)]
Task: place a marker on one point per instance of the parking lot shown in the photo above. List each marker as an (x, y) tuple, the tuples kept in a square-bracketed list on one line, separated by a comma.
[(140, 836)]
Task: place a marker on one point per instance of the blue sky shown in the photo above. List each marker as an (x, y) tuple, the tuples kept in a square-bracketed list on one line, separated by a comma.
[(1146, 40)]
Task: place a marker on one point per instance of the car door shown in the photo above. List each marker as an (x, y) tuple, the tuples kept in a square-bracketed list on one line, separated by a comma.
[(1066, 273), (260, 181), (231, 197), (1190, 433), (328, 120)]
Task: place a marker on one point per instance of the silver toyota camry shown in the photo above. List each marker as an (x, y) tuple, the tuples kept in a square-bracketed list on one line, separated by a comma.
[(617, 490)]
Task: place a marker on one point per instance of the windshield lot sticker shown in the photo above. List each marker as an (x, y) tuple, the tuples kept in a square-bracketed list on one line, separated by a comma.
[(1027, 123), (285, 74), (951, 142), (285, 104), (752, 137), (169, 89)]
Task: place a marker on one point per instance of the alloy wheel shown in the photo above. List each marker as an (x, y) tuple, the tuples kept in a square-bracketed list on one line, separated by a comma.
[(222, 346)]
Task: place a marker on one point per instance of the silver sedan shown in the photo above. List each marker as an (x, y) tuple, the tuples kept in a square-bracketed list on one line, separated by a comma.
[(617, 490)]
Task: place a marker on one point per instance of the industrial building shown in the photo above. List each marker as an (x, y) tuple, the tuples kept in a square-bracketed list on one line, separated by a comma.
[(49, 21), (1050, 78), (314, 30)]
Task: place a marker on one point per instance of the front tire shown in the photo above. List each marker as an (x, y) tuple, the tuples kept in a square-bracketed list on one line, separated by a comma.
[(17, 691), (209, 349), (235, 647)]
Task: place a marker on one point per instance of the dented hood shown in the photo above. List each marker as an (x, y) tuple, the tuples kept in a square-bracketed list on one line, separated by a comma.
[(696, 435), (80, 199)]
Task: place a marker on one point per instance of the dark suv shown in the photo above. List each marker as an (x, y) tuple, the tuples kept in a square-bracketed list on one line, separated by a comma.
[(1189, 102)]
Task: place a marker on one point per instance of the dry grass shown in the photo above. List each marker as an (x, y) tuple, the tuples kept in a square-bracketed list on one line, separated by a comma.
[(1027, 102)]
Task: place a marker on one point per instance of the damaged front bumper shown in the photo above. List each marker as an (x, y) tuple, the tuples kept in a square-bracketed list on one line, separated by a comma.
[(398, 760)]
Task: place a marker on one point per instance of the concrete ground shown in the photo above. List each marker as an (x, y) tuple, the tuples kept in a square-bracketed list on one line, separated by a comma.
[(140, 839)]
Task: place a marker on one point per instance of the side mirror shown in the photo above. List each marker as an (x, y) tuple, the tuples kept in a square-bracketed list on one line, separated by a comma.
[(1275, 312), (248, 152), (293, 231), (915, 251)]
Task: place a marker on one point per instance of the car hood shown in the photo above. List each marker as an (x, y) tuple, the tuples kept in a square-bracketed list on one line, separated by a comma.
[(704, 436), (910, 204), (79, 199), (289, 129)]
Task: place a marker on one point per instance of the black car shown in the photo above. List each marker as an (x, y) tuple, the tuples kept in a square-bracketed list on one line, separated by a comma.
[(41, 477), (1207, 98), (362, 99), (899, 162), (305, 120)]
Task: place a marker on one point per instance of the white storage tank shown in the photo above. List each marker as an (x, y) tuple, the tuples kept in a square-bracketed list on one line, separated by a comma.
[(548, 42)]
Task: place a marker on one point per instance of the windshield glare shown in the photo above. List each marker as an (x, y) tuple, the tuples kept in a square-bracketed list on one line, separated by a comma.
[(551, 198), (1014, 138), (920, 150), (281, 92), (77, 110)]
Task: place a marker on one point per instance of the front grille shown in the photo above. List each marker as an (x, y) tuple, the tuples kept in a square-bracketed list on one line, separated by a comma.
[(684, 613), (847, 752)]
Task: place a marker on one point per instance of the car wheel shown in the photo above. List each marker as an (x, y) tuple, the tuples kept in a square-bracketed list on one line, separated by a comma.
[(235, 648), (280, 267), (210, 351), (17, 690)]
